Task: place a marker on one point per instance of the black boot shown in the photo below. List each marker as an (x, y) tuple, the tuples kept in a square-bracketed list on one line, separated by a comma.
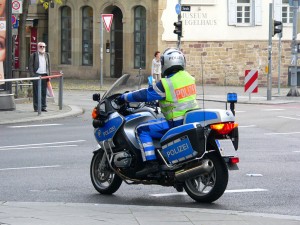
[(150, 167)]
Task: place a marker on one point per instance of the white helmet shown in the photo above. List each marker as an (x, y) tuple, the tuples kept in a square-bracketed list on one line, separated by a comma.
[(172, 61)]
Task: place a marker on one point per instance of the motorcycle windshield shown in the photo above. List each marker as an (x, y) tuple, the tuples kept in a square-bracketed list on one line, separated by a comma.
[(125, 83)]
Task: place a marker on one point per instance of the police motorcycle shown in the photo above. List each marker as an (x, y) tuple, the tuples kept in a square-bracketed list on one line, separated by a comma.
[(194, 157)]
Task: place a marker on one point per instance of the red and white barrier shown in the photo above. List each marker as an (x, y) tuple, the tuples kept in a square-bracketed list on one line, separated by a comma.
[(251, 81)]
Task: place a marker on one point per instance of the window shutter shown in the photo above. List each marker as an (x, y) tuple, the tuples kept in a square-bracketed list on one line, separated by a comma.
[(277, 10), (258, 12), (231, 12)]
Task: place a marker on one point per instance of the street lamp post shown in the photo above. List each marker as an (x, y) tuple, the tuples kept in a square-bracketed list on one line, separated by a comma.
[(293, 91)]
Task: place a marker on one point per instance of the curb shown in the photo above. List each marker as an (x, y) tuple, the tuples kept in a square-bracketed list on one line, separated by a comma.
[(71, 110)]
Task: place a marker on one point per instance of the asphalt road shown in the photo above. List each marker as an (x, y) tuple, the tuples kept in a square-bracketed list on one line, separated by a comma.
[(49, 162)]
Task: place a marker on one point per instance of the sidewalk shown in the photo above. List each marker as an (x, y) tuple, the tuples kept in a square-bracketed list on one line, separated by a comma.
[(24, 109), (219, 93), (35, 213), (24, 112), (46, 213)]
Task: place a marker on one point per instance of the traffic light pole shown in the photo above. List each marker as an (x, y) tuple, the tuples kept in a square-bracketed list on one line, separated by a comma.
[(179, 36), (269, 77), (279, 60), (293, 91)]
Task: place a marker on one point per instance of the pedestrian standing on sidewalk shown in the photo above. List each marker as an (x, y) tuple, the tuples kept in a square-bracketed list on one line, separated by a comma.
[(156, 67), (39, 65)]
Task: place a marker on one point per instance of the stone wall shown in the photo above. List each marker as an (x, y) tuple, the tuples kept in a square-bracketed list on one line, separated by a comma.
[(226, 62)]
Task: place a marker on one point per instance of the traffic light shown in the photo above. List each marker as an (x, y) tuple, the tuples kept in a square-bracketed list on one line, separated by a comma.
[(52, 4), (178, 28), (277, 27)]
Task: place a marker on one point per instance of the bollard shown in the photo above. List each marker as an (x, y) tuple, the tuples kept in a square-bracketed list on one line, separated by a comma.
[(17, 89), (39, 96), (60, 93)]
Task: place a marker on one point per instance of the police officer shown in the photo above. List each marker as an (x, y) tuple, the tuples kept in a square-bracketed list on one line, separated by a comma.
[(176, 94)]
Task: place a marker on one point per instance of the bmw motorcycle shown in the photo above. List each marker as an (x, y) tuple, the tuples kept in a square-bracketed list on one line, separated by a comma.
[(194, 157)]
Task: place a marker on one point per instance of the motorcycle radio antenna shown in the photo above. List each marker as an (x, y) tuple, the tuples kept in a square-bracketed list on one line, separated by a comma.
[(204, 114), (202, 78)]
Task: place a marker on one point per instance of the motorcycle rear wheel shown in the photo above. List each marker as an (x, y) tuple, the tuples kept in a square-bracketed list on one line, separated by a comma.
[(207, 188), (104, 179)]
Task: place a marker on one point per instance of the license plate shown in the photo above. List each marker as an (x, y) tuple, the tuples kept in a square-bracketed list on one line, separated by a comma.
[(226, 147)]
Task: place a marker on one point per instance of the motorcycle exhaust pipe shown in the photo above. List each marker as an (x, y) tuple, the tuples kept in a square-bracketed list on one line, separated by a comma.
[(205, 167)]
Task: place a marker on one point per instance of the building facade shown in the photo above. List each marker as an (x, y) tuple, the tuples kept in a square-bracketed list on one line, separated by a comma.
[(222, 38)]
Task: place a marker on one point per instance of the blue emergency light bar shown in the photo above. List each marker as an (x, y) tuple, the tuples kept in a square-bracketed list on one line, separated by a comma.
[(232, 97)]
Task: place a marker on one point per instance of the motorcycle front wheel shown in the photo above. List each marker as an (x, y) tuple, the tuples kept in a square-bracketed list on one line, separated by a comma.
[(104, 179), (207, 188)]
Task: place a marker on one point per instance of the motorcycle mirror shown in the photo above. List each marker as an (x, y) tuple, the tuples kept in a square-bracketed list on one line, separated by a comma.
[(96, 97)]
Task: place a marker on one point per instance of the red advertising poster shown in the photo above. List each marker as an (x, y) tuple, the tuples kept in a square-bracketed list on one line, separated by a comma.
[(2, 39), (33, 40), (17, 50)]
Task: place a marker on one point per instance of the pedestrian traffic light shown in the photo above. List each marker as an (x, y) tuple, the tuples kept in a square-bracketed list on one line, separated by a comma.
[(277, 27), (178, 28)]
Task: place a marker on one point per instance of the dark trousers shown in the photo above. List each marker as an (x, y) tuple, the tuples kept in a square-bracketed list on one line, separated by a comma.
[(43, 93)]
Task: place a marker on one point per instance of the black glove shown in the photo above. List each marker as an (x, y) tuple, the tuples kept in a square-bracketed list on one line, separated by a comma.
[(120, 100)]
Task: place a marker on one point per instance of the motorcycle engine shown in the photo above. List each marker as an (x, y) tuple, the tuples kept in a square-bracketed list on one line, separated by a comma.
[(122, 159)]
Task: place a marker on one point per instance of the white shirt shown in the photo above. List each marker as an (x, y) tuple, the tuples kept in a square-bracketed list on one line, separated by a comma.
[(42, 64), (156, 67)]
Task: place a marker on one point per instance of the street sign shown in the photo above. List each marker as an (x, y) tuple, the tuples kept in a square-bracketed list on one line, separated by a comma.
[(251, 81), (13, 19), (16, 6), (178, 9), (186, 8), (107, 20), (16, 24)]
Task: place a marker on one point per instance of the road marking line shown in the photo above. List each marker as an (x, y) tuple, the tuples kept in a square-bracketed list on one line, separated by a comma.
[(286, 117), (254, 175), (247, 126), (36, 147), (30, 167), (37, 125), (49, 143), (227, 191), (246, 190), (272, 109), (296, 151), (282, 133), (240, 111)]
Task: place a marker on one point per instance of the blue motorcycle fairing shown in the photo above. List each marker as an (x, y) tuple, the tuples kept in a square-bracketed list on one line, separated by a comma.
[(110, 128), (132, 121), (208, 116), (132, 116), (177, 130), (199, 116)]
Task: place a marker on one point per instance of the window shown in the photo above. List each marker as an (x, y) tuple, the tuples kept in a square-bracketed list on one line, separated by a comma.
[(87, 36), (139, 37), (66, 35), (287, 12), (244, 12), (283, 11)]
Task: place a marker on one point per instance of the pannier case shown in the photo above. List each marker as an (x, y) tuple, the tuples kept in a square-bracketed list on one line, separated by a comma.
[(183, 142)]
